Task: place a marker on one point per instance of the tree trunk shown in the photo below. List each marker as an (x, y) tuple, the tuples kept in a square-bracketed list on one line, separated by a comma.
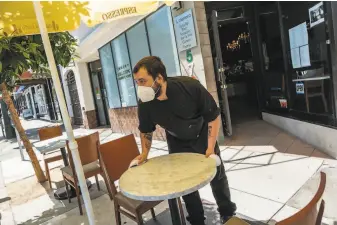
[(17, 123)]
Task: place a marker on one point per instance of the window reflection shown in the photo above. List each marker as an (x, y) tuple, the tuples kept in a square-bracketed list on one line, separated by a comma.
[(309, 78)]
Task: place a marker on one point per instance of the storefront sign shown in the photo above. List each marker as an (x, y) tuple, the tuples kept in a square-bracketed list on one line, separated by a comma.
[(300, 88), (119, 12), (123, 72), (185, 32)]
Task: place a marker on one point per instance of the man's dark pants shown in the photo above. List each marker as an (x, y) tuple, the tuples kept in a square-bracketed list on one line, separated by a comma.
[(221, 194)]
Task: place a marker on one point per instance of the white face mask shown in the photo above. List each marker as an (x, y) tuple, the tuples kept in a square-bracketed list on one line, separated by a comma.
[(146, 94)]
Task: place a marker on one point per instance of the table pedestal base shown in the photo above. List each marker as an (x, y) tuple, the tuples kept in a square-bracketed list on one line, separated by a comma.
[(177, 214)]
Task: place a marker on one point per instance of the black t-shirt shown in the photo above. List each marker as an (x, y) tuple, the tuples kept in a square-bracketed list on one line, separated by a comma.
[(184, 115)]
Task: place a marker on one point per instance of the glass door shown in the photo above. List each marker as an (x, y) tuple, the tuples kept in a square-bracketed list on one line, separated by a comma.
[(220, 77), (99, 98), (104, 96)]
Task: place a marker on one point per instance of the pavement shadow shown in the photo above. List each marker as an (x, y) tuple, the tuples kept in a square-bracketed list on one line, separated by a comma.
[(256, 165), (211, 213), (63, 206)]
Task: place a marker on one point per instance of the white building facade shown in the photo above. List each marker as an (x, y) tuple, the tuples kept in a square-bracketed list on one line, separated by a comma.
[(185, 37)]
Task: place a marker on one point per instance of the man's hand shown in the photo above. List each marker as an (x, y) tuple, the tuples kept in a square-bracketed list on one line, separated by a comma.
[(141, 158), (209, 152), (146, 140)]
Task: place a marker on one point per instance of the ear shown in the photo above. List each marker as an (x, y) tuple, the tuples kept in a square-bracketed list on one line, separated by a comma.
[(160, 78)]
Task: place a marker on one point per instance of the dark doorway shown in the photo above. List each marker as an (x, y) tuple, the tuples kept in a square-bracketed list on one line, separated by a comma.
[(99, 93), (100, 98), (234, 38), (239, 71), (75, 101)]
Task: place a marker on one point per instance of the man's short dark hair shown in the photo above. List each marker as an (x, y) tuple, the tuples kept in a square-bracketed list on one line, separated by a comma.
[(153, 65)]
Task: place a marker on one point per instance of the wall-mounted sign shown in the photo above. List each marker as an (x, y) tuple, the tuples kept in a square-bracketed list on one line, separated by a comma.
[(300, 88), (185, 31), (316, 14)]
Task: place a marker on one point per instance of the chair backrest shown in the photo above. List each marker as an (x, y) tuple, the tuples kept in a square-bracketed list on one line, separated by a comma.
[(236, 221), (309, 215), (87, 149), (49, 132), (116, 155)]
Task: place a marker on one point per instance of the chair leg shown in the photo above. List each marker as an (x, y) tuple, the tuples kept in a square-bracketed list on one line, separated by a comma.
[(78, 198), (67, 190), (153, 214), (47, 173), (307, 100), (97, 183), (108, 187), (117, 214), (139, 219), (324, 103)]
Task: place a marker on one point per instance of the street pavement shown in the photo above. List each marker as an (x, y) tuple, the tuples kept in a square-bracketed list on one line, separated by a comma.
[(271, 176)]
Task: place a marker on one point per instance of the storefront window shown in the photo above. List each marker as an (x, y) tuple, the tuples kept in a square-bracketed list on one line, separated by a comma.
[(152, 36), (124, 72), (309, 69), (137, 42), (272, 57), (162, 40), (110, 76)]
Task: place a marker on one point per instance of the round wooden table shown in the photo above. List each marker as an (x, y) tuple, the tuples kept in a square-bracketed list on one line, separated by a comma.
[(168, 177)]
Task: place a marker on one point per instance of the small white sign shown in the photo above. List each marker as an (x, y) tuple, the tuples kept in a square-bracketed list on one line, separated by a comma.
[(316, 14), (185, 31), (300, 88)]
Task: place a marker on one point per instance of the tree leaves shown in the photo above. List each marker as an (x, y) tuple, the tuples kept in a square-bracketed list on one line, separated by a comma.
[(26, 55), (63, 44), (18, 54)]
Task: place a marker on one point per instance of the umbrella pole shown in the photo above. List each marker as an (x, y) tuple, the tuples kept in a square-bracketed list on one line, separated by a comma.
[(66, 120)]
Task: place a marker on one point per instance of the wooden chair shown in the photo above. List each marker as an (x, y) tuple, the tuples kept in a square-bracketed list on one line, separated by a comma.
[(313, 85), (309, 215), (236, 221), (116, 157), (88, 149), (48, 133)]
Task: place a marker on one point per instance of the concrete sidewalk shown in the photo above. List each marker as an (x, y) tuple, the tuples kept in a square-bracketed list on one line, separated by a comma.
[(271, 176)]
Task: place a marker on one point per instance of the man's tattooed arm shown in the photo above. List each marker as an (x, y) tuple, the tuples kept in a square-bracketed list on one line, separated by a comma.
[(213, 131), (146, 140), (209, 130)]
